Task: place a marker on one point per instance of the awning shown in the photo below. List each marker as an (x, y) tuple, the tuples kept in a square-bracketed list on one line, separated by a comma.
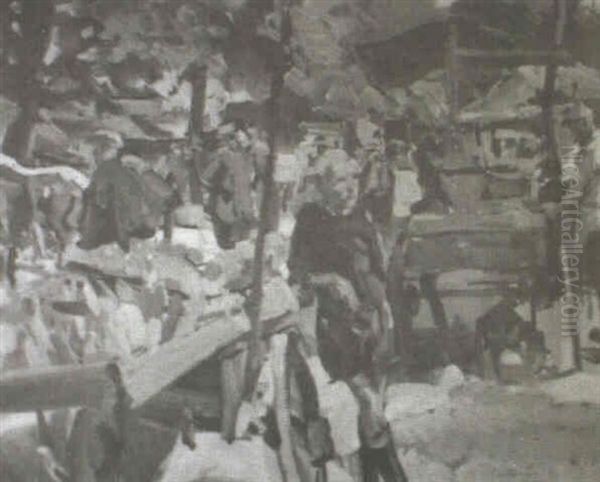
[(515, 98)]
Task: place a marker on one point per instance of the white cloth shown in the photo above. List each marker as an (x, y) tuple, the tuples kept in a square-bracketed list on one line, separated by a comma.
[(369, 134), (130, 318), (36, 356), (216, 101), (216, 460), (126, 330), (287, 169), (338, 405), (262, 399), (406, 192), (153, 334), (40, 330), (278, 299)]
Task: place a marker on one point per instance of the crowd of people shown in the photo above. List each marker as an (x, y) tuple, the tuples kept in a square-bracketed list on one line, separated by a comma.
[(342, 273)]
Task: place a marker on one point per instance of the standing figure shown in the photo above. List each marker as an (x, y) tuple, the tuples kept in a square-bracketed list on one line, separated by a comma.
[(120, 203), (230, 177), (336, 241)]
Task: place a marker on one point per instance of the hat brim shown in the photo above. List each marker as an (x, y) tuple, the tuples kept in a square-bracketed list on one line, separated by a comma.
[(74, 308)]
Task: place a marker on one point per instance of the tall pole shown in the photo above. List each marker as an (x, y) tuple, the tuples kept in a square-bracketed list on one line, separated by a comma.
[(256, 296), (452, 69), (570, 343), (548, 94), (30, 47), (197, 76)]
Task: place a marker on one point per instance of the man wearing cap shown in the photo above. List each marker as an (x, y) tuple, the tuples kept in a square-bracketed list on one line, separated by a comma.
[(108, 144), (229, 177)]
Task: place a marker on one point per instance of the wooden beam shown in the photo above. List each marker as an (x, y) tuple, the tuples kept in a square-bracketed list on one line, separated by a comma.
[(513, 57), (425, 226), (143, 378), (471, 293), (148, 375)]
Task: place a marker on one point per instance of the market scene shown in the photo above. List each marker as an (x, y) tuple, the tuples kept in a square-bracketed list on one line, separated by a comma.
[(299, 240)]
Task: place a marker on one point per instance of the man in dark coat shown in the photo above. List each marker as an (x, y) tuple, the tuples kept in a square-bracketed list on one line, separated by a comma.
[(120, 203)]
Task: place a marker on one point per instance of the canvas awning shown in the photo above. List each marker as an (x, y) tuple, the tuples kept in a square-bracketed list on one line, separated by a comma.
[(516, 97)]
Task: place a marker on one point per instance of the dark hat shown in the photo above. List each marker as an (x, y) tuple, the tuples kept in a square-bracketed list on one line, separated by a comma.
[(74, 308), (575, 112)]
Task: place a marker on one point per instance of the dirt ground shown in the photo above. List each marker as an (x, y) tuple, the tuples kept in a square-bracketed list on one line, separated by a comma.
[(484, 433), (475, 432)]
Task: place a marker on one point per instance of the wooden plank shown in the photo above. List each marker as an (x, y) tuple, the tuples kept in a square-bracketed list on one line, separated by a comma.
[(515, 57), (232, 391), (152, 373), (520, 113), (53, 387), (446, 254), (63, 386), (511, 222), (471, 293)]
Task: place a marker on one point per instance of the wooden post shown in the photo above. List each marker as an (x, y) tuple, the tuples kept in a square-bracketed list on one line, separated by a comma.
[(570, 343), (197, 75), (29, 52), (452, 69), (232, 388), (548, 93), (277, 83), (533, 306), (452, 89), (285, 453)]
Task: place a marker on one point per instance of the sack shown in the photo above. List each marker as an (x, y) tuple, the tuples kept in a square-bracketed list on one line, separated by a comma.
[(344, 349), (320, 443)]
